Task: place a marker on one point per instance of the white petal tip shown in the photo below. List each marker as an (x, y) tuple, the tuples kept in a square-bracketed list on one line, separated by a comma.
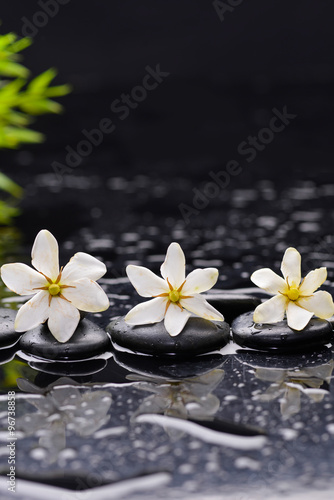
[(173, 334), (64, 337)]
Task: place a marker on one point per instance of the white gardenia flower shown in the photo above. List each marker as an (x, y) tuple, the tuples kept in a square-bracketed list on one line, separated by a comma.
[(58, 293), (295, 297), (175, 296)]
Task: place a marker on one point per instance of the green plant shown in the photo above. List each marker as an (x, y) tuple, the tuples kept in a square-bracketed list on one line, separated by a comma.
[(21, 99)]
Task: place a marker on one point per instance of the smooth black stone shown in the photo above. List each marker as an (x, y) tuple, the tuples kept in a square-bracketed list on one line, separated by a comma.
[(331, 321), (279, 336), (199, 336), (68, 369), (153, 366), (284, 361), (8, 336), (233, 305), (87, 341)]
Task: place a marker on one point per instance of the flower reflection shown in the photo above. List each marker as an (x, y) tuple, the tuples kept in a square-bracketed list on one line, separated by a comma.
[(62, 407), (189, 398), (288, 385)]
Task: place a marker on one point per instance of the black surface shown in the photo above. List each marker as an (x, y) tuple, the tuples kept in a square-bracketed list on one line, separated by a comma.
[(153, 366), (286, 360), (279, 336), (121, 204), (87, 341), (199, 336), (86, 367)]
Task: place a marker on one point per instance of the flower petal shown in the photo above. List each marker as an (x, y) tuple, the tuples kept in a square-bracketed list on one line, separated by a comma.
[(198, 305), (21, 278), (83, 265), (200, 280), (269, 281), (297, 316), (33, 313), (271, 311), (320, 304), (87, 296), (313, 280), (174, 267), (291, 265), (63, 319), (290, 403), (151, 311), (44, 254), (175, 319), (145, 282)]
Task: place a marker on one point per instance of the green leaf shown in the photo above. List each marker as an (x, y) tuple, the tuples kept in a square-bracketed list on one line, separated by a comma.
[(20, 44), (20, 100), (10, 68), (6, 40), (40, 82), (7, 212), (40, 106), (12, 137), (6, 184), (17, 118), (12, 86), (58, 91)]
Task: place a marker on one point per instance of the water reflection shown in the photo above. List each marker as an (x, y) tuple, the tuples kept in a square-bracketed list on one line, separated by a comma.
[(190, 398), (289, 385), (182, 399), (62, 407)]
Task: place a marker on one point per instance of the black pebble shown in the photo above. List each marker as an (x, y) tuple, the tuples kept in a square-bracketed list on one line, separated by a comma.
[(8, 336), (279, 336), (87, 341), (232, 305), (199, 336)]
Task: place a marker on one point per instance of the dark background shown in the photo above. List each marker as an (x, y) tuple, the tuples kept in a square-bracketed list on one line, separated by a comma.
[(225, 78)]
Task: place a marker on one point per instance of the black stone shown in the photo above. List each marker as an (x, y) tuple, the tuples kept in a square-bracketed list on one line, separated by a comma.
[(232, 305), (8, 336), (153, 366), (199, 336), (87, 341), (331, 321), (279, 336)]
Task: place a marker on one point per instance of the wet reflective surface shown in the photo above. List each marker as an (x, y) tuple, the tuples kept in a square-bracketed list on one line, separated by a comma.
[(235, 421)]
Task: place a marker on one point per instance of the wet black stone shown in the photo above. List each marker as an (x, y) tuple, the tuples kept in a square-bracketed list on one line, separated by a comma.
[(279, 336), (331, 321), (233, 305), (199, 336), (8, 336), (153, 366), (87, 341)]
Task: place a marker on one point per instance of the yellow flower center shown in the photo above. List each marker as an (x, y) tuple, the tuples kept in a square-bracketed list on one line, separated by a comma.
[(54, 289), (293, 293), (174, 295)]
